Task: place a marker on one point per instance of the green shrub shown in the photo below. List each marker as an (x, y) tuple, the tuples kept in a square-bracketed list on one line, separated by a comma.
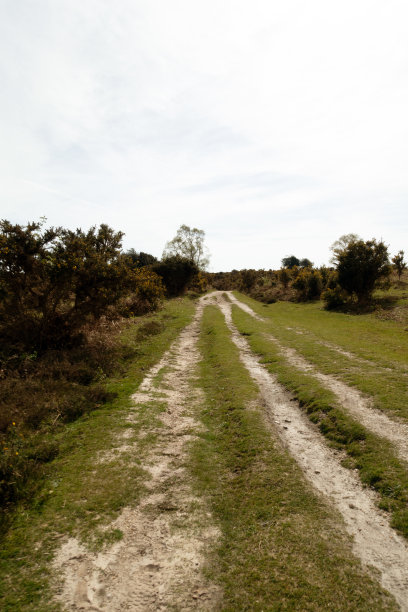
[(53, 281), (308, 284), (176, 273), (334, 298)]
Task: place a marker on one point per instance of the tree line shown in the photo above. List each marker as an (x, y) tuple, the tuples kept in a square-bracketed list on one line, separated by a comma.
[(53, 281), (358, 268)]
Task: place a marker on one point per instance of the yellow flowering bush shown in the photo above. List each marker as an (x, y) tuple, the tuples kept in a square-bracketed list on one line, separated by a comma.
[(146, 292)]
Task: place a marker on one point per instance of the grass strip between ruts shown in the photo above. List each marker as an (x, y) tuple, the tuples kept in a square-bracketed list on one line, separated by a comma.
[(373, 456), (281, 547), (382, 345), (81, 494)]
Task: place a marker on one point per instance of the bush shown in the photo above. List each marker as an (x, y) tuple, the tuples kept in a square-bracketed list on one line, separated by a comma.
[(334, 298), (360, 266), (176, 273), (199, 283), (284, 277), (248, 280), (308, 284), (52, 281), (147, 292)]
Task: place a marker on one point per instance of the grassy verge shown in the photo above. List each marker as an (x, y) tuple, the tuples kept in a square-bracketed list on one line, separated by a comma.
[(383, 345), (87, 485), (281, 546), (373, 456)]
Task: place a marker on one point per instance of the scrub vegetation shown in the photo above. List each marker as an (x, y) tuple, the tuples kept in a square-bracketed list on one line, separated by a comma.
[(67, 301)]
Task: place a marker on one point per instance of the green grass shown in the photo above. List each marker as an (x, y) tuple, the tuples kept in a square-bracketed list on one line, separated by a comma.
[(373, 456), (382, 345), (282, 547), (79, 495)]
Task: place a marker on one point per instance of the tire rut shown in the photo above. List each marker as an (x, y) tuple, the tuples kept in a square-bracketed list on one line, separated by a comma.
[(395, 430), (158, 565), (374, 541)]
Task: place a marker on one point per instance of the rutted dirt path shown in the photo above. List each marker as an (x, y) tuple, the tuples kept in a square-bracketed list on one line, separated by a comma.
[(158, 563), (374, 541), (395, 430)]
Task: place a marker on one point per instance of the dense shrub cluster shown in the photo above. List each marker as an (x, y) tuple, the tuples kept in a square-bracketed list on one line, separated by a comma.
[(53, 281), (308, 284), (360, 267), (295, 284), (147, 292), (176, 273)]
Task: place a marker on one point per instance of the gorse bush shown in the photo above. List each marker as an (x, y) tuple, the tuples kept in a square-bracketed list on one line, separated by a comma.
[(176, 273), (147, 292), (61, 293), (308, 284), (52, 281)]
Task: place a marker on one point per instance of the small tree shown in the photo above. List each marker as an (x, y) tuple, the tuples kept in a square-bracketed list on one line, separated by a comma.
[(188, 244), (290, 262), (140, 260), (399, 263), (305, 263), (176, 273), (360, 265), (338, 247)]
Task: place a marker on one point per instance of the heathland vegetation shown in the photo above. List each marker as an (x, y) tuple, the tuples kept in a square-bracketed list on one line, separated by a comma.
[(359, 267), (82, 322), (67, 297)]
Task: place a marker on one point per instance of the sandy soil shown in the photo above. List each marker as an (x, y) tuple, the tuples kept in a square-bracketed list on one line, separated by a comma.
[(360, 406), (158, 564), (374, 541), (395, 430)]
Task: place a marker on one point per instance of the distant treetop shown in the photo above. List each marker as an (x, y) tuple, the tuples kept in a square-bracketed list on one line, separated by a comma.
[(140, 259), (189, 243), (291, 261)]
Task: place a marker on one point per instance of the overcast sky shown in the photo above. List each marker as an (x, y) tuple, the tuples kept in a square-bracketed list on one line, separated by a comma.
[(273, 125)]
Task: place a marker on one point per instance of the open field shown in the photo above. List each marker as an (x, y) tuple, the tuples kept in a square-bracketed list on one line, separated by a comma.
[(243, 466)]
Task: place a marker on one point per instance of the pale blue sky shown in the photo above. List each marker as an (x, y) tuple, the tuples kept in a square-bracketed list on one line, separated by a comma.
[(274, 126)]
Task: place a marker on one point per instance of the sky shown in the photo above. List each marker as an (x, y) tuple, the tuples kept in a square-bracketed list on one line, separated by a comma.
[(274, 126)]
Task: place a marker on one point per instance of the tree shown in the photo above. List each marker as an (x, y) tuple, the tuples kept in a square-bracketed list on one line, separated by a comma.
[(399, 263), (176, 273), (305, 263), (189, 244), (341, 245), (360, 265), (140, 260), (290, 261)]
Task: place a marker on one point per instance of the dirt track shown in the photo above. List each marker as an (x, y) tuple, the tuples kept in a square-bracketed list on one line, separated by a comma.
[(158, 564), (375, 543)]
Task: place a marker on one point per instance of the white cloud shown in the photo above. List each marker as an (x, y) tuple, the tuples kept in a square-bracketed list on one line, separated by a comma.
[(274, 126)]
